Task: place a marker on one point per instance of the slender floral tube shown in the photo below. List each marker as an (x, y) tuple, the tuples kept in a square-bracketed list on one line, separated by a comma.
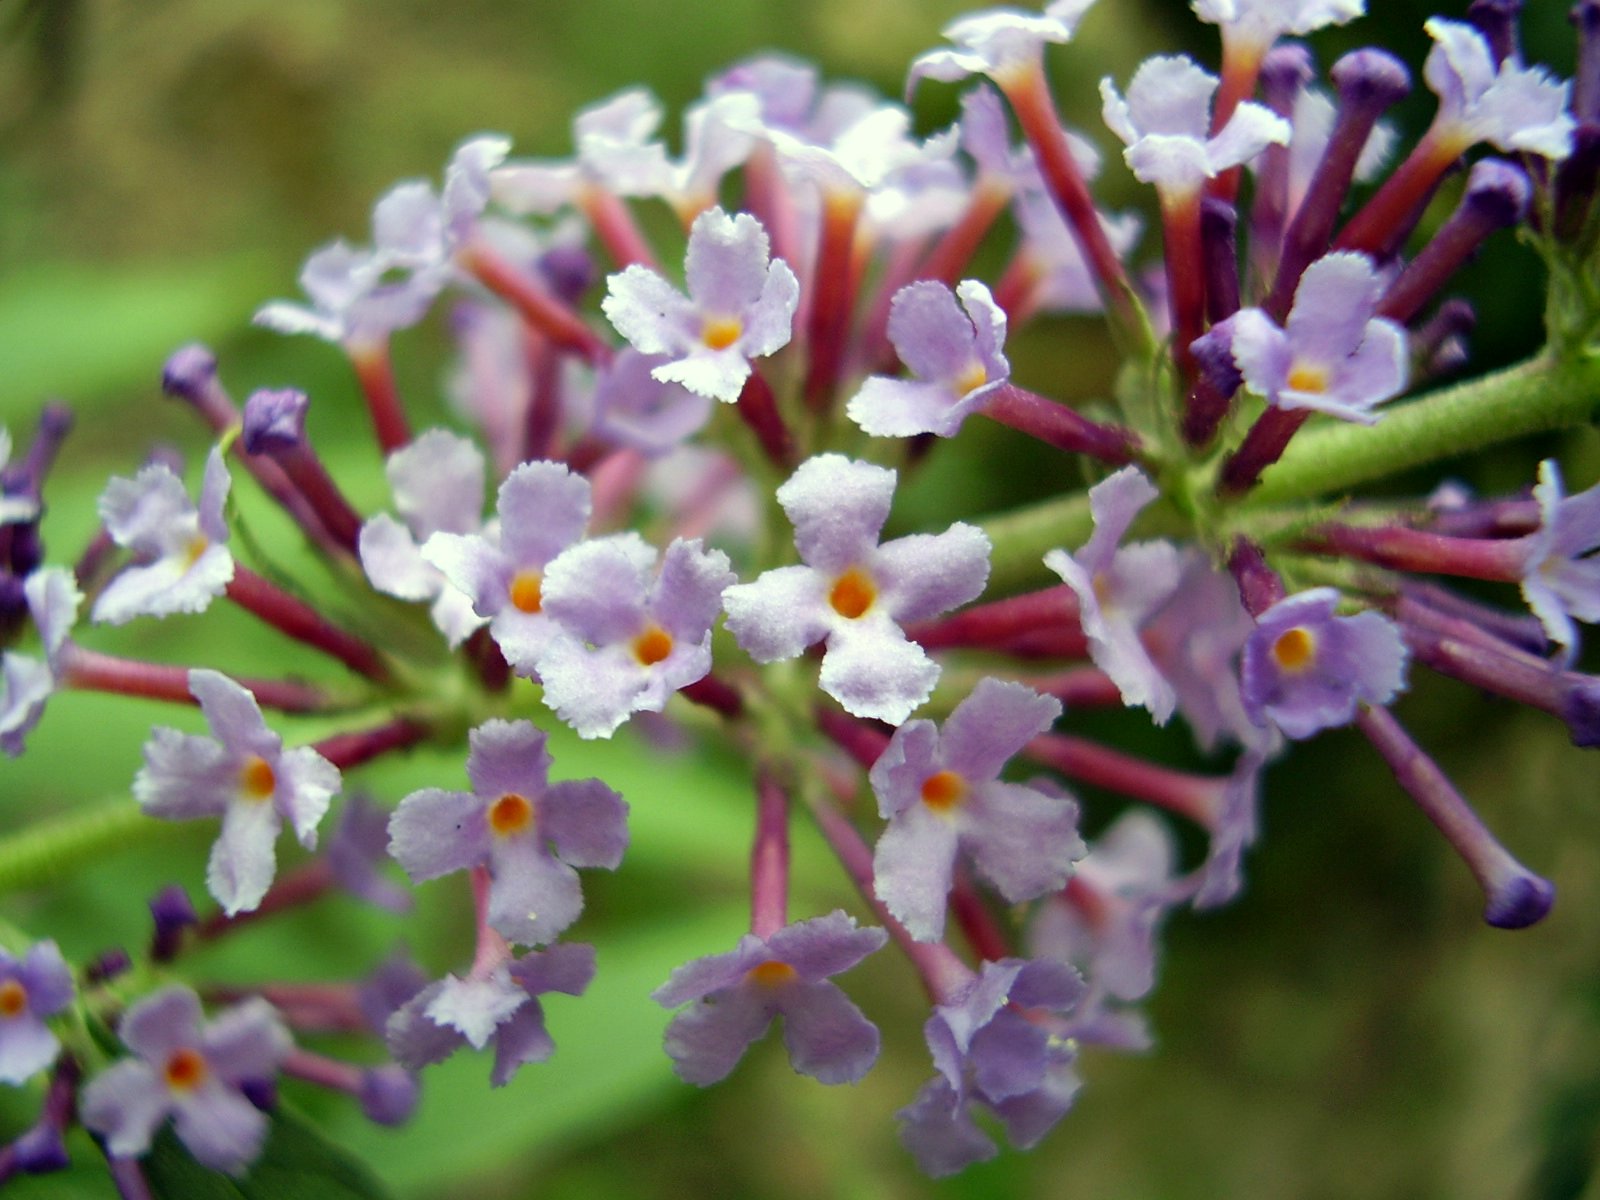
[(1197, 797), (375, 373), (92, 671), (769, 858), (303, 623), (556, 320)]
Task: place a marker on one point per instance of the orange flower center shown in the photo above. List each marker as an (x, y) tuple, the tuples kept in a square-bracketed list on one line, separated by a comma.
[(772, 974), (510, 814), (718, 333), (186, 1070), (197, 546), (1295, 649), (853, 593), (652, 646), (13, 998), (1304, 377), (527, 591), (972, 378), (943, 790), (257, 780)]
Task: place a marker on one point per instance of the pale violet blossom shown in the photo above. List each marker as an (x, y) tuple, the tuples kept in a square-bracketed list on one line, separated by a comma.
[(1511, 106)]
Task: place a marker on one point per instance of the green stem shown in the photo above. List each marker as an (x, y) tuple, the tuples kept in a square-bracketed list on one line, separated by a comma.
[(1541, 394), (1022, 536), (55, 849)]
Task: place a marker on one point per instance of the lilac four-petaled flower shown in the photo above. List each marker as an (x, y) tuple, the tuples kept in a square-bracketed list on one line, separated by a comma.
[(181, 559), (193, 1072), (497, 1002), (995, 1045), (1511, 106), (941, 792), (1120, 587), (955, 353), (1333, 355), (530, 833), (27, 683), (242, 775), (629, 638), (740, 306), (34, 987), (734, 997), (1305, 668), (854, 593)]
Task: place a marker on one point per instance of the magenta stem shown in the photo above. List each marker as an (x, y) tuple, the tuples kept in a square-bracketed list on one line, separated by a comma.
[(828, 324), (999, 622), (1059, 426), (536, 306), (1402, 196), (91, 671), (350, 750), (375, 372), (614, 225), (323, 1071), (758, 408), (303, 623), (1263, 445), (1503, 560), (1197, 797), (1184, 252), (769, 859)]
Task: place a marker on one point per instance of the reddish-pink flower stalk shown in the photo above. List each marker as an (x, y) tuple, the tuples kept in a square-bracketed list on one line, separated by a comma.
[(1197, 797), (862, 741), (349, 750), (305, 470), (1502, 560), (993, 625), (1262, 446), (978, 925), (303, 623), (542, 422), (758, 408), (613, 223), (91, 671), (1078, 687), (716, 694), (1402, 195), (536, 306), (308, 882), (832, 296), (323, 1071), (375, 373), (769, 858), (1059, 426), (1241, 67), (1184, 252), (308, 1007), (1035, 109)]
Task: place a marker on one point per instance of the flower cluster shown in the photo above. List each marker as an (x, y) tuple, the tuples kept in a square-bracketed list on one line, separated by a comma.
[(727, 573)]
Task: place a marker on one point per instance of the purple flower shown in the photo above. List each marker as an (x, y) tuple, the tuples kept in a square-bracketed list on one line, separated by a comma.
[(1509, 105), (941, 792), (356, 850), (1236, 825), (27, 683), (1562, 576), (854, 593), (528, 832), (13, 509), (740, 306), (1194, 641), (635, 409), (242, 775), (955, 354), (181, 562), (628, 641), (993, 1045), (1165, 123), (735, 997), (1333, 355), (617, 150), (1259, 23), (1000, 43), (437, 482), (542, 508), (37, 986), (193, 1072), (1305, 669), (1118, 588), (497, 1002)]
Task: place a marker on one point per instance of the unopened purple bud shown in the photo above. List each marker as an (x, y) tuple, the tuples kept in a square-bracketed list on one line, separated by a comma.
[(263, 1093), (1445, 332), (41, 1150), (107, 966), (388, 1095), (1586, 79), (1370, 78), (1577, 177), (1497, 21), (1497, 195), (189, 373), (1522, 900), (27, 475), (1218, 222), (569, 271), (1580, 709), (173, 912), (1285, 69), (1213, 356), (275, 419)]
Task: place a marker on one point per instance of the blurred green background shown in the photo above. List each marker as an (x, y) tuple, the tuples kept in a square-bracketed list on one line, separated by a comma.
[(1348, 1029)]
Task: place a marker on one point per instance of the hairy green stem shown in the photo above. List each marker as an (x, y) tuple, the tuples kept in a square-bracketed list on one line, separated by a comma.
[(51, 850), (1541, 394)]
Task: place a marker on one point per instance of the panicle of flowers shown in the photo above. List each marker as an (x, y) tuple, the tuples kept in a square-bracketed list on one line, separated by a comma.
[(762, 578)]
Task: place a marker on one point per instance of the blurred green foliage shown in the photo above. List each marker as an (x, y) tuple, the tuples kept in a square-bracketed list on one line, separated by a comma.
[(1348, 1030)]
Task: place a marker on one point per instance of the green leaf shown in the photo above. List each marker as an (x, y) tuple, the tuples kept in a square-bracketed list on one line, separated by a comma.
[(295, 1164)]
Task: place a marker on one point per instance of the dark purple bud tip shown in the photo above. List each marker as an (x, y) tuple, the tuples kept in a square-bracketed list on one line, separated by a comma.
[(1498, 191), (172, 912), (274, 419), (189, 372), (109, 965), (41, 1150), (1520, 901), (568, 271), (1371, 76), (263, 1093), (1497, 21), (55, 421), (389, 1095), (1213, 355), (1285, 69), (1580, 709)]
